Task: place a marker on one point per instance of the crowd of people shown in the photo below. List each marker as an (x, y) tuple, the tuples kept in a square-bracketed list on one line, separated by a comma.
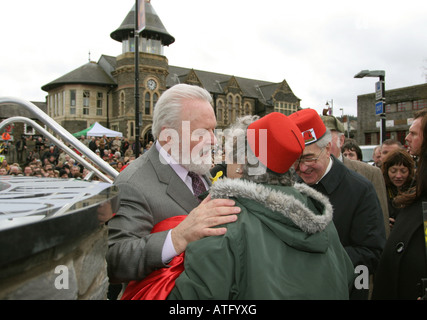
[(38, 157)]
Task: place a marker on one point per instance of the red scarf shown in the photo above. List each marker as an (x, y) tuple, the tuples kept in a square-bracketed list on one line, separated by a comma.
[(158, 284)]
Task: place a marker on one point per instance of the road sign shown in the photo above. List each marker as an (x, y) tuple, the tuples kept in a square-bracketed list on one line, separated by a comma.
[(379, 107), (379, 90)]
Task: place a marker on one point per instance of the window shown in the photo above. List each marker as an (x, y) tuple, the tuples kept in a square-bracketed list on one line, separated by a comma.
[(404, 106), (131, 45), (220, 111), (151, 46), (419, 104), (72, 101), (230, 111), (389, 108), (238, 105), (284, 107), (147, 103), (368, 140), (247, 109), (28, 129), (63, 102), (122, 104), (59, 103), (56, 104), (99, 103), (86, 102), (219, 115), (50, 106), (132, 128)]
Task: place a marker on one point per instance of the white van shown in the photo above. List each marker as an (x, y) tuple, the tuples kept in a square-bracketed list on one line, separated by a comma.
[(368, 153)]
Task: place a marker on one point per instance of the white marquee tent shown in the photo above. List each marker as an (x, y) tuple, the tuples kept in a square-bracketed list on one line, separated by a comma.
[(97, 130)]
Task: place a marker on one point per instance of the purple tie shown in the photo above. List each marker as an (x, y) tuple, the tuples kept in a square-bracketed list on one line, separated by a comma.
[(197, 183)]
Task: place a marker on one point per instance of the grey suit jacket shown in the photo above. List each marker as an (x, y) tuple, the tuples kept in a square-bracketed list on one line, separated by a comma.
[(149, 193), (374, 175)]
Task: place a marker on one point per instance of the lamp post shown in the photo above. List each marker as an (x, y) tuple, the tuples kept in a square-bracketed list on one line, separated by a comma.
[(379, 97)]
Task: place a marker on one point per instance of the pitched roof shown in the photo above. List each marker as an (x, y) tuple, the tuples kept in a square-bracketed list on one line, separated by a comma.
[(154, 27), (217, 83), (89, 73)]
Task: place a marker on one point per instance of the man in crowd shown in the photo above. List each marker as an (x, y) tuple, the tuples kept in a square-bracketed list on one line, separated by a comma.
[(371, 173), (357, 212), (388, 146), (377, 157), (164, 182)]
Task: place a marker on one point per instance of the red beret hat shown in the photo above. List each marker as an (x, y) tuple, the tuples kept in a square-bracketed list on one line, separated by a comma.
[(310, 124), (276, 141)]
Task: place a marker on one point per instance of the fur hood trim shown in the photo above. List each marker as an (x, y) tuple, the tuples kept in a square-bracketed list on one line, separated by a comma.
[(278, 201)]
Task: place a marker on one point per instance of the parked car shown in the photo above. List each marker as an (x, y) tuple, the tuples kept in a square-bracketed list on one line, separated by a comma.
[(368, 153)]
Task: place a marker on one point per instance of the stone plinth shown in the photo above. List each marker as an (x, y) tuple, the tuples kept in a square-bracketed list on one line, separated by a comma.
[(54, 239)]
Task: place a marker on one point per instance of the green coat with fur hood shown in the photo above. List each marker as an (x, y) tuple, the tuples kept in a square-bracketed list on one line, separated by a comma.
[(283, 246)]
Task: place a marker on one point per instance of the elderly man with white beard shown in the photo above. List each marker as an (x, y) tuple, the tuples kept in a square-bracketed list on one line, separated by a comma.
[(163, 183)]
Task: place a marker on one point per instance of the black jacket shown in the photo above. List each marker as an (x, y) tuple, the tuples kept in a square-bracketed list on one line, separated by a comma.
[(403, 262)]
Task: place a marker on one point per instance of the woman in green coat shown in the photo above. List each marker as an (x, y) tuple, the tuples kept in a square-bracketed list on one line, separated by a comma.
[(284, 244)]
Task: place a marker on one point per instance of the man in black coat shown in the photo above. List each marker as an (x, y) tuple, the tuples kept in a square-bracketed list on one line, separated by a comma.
[(357, 213)]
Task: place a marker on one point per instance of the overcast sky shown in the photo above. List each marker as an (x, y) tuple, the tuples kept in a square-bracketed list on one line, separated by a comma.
[(317, 46)]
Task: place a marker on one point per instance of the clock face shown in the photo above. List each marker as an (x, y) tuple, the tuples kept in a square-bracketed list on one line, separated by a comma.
[(151, 84)]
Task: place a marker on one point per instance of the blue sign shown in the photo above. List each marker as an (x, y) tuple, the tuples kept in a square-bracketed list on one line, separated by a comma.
[(379, 107)]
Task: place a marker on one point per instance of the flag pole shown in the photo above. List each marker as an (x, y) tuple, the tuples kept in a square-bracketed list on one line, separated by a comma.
[(137, 124)]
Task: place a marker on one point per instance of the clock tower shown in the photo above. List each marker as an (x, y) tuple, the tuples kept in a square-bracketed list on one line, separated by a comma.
[(153, 71)]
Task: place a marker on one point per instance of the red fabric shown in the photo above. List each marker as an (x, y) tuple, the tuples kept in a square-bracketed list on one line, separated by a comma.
[(158, 284)]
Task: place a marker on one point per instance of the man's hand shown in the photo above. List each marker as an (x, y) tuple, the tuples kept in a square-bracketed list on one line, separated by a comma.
[(201, 221)]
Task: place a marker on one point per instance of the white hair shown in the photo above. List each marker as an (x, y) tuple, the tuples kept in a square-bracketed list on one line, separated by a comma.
[(325, 139), (167, 112)]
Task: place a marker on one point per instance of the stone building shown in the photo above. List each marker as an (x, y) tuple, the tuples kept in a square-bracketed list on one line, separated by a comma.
[(400, 105), (103, 91)]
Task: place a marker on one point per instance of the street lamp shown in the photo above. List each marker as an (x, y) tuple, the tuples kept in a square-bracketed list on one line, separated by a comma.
[(379, 96)]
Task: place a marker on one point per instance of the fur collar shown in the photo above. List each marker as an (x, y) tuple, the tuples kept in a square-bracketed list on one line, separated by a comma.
[(278, 201)]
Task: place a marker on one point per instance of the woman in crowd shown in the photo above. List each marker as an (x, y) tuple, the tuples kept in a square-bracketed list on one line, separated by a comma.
[(398, 170)]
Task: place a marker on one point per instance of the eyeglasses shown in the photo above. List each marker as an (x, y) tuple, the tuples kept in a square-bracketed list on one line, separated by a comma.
[(307, 161)]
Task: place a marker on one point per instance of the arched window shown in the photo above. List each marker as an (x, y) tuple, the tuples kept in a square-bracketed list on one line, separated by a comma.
[(234, 107), (147, 103), (230, 113), (238, 105), (247, 109), (220, 111)]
